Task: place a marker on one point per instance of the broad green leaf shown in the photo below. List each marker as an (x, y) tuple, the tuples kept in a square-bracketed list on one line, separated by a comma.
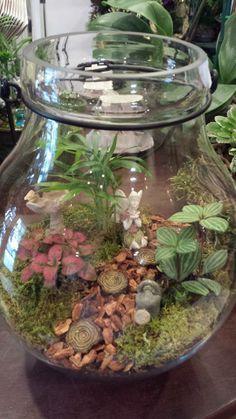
[(232, 113), (188, 263), (167, 236), (227, 53), (195, 287), (212, 285), (211, 210), (121, 21), (224, 122), (186, 246), (215, 261), (181, 217), (221, 97), (164, 252), (155, 13), (168, 266), (217, 224), (195, 210), (187, 233)]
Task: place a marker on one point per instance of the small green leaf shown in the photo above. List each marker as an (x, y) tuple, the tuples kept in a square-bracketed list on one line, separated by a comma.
[(217, 224), (188, 263), (181, 217), (195, 210), (164, 252), (186, 246), (212, 285), (167, 236), (121, 21), (215, 261), (195, 287), (187, 233), (168, 266), (232, 113), (211, 210)]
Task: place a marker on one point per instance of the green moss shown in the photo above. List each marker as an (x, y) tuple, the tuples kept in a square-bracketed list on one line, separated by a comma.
[(33, 310), (80, 217), (167, 337), (185, 185), (106, 251)]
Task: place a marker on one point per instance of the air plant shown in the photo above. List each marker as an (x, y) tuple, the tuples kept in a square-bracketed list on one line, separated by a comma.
[(56, 253), (180, 254), (94, 171)]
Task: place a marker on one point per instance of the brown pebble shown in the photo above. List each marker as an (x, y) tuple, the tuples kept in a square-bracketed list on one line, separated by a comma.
[(62, 328), (89, 358), (105, 362), (128, 366), (133, 285), (142, 270), (121, 257), (116, 366), (107, 335), (63, 353), (117, 321), (110, 308), (107, 322), (110, 349), (99, 322), (126, 320), (76, 360), (76, 312), (54, 348), (154, 226)]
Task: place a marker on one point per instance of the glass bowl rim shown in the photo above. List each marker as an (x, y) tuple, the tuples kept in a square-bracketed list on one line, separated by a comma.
[(28, 54)]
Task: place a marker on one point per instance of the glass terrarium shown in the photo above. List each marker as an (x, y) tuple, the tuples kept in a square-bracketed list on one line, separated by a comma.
[(117, 216)]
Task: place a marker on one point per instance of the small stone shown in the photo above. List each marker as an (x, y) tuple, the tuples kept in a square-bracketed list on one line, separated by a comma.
[(105, 362), (63, 353), (107, 335), (142, 317), (116, 366), (76, 360), (110, 349), (54, 348), (76, 312), (110, 308), (62, 328), (89, 358), (121, 257)]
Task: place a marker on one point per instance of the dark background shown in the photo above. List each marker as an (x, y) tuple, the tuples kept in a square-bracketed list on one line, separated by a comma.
[(203, 387)]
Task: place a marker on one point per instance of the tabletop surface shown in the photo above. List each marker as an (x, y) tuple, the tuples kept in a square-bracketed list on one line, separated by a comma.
[(203, 387)]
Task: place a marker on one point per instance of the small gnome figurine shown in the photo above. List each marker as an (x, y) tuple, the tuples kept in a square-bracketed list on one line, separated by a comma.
[(148, 301)]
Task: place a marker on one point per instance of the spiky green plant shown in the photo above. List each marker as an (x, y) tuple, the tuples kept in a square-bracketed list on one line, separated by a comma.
[(93, 171)]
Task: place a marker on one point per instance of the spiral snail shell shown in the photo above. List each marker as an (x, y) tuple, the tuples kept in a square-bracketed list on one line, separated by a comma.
[(146, 257), (83, 335), (112, 282)]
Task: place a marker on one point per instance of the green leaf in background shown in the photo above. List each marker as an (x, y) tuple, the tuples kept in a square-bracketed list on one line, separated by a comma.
[(211, 210), (217, 224), (227, 53), (150, 10), (168, 266), (221, 97), (167, 236), (195, 287), (121, 21), (212, 285), (215, 261)]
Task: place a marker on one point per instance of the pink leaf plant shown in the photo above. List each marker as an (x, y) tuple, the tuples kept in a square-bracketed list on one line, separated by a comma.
[(56, 253)]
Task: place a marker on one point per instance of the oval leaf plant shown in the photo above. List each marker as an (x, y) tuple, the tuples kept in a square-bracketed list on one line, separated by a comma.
[(215, 261)]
